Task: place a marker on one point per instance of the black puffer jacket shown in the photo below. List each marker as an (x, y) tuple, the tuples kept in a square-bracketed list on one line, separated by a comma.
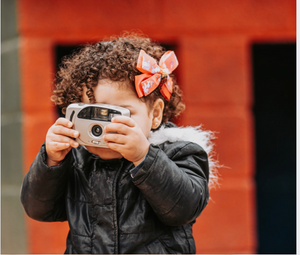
[(109, 211)]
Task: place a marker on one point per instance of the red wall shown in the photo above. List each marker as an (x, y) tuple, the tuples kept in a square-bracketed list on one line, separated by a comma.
[(213, 41)]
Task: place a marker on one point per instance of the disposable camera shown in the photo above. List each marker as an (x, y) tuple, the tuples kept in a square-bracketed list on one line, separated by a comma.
[(90, 119)]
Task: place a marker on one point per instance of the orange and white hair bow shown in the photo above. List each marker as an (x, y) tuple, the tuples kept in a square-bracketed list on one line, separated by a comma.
[(155, 74)]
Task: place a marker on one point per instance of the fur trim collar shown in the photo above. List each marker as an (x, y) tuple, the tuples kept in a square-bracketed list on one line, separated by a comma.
[(191, 134)]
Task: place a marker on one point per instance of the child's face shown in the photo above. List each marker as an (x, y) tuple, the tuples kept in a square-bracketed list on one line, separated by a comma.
[(119, 93)]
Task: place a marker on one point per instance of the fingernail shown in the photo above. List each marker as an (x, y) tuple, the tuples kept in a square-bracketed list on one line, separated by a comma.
[(70, 124), (76, 133), (76, 144)]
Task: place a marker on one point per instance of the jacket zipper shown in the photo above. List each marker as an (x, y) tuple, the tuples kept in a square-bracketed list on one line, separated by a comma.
[(115, 215)]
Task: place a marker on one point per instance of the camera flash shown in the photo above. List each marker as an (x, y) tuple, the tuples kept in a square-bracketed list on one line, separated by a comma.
[(104, 112)]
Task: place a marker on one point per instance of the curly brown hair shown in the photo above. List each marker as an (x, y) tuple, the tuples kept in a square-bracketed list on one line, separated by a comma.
[(116, 60)]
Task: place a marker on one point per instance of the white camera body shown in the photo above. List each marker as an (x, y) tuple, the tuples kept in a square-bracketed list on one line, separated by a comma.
[(90, 119)]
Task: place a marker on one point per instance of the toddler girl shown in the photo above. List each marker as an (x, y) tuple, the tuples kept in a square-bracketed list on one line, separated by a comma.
[(144, 192)]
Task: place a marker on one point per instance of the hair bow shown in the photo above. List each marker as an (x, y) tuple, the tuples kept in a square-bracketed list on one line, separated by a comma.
[(155, 74)]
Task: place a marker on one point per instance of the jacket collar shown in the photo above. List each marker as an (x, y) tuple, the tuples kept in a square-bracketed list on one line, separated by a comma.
[(172, 133)]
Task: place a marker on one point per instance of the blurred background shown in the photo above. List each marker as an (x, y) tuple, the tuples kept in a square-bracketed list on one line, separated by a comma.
[(237, 68)]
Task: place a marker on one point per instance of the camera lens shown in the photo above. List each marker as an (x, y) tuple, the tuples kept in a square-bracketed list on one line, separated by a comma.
[(96, 130)]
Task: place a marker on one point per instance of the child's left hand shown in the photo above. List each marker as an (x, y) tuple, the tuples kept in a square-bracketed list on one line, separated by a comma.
[(128, 139)]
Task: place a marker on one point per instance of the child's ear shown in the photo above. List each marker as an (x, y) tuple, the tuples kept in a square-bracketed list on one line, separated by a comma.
[(158, 109)]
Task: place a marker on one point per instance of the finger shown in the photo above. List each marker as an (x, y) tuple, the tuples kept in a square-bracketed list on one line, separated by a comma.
[(117, 128), (61, 130), (124, 120), (115, 146), (115, 138), (57, 146), (64, 139), (63, 122)]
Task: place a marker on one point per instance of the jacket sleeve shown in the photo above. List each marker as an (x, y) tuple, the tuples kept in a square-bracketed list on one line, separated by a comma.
[(174, 180), (42, 192)]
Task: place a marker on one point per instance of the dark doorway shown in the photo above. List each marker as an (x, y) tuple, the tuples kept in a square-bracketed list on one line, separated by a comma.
[(274, 67), (61, 51)]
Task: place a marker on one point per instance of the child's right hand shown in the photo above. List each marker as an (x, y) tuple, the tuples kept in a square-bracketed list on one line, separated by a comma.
[(59, 141)]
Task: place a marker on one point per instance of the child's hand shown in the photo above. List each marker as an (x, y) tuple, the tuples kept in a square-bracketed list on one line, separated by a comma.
[(129, 140), (59, 141)]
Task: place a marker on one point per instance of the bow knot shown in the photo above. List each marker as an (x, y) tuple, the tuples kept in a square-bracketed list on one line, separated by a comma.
[(155, 74)]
